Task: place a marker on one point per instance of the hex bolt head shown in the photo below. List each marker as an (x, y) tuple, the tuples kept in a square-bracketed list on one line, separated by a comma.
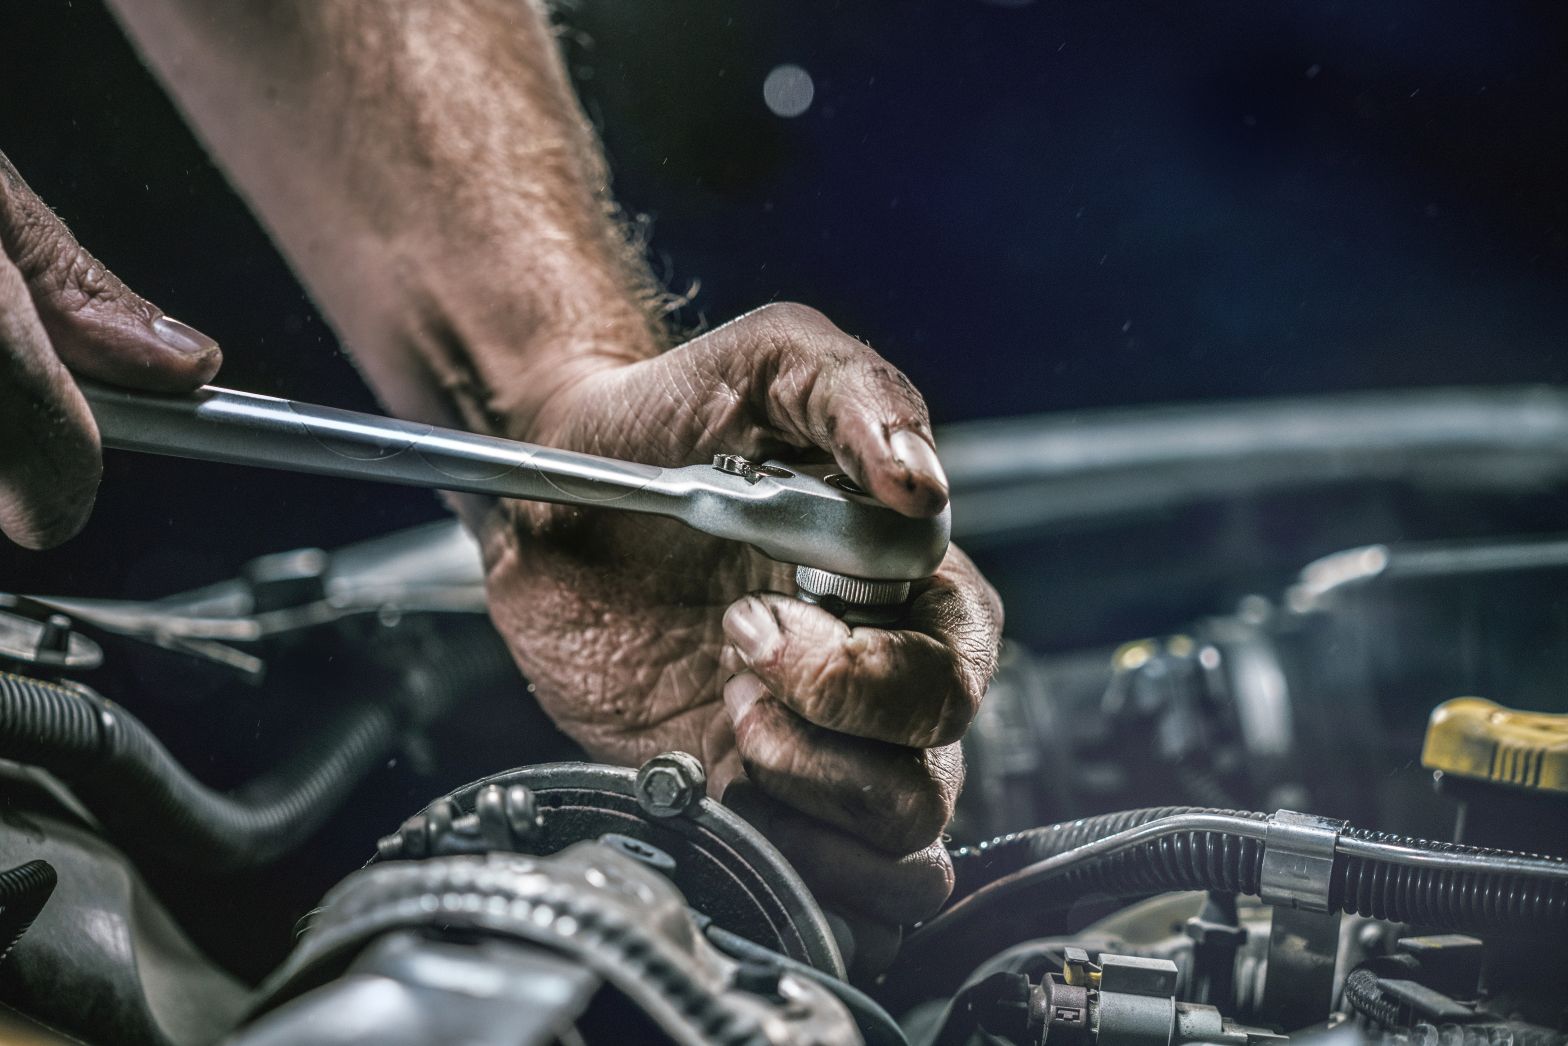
[(670, 784)]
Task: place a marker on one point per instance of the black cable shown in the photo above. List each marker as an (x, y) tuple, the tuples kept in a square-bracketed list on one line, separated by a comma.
[(984, 863), (876, 1025), (155, 809), (1441, 885), (24, 890), (1480, 901)]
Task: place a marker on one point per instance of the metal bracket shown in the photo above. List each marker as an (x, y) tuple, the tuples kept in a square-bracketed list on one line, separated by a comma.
[(1297, 879), (1298, 860)]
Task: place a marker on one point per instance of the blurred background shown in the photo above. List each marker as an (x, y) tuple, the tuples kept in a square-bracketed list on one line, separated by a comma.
[(1029, 207), (1034, 209)]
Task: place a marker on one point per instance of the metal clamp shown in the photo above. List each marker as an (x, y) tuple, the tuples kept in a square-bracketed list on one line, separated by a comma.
[(1298, 860)]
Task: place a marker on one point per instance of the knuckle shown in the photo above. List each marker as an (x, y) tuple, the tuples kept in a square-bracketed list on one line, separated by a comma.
[(792, 316), (960, 703), (830, 681), (76, 280)]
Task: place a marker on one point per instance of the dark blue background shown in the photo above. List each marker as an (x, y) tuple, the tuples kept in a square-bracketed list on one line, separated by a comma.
[(1028, 207)]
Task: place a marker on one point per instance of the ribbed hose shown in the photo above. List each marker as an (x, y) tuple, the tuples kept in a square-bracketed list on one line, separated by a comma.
[(490, 896), (1200, 860), (24, 890), (154, 808), (1446, 899), (1441, 898), (41, 722)]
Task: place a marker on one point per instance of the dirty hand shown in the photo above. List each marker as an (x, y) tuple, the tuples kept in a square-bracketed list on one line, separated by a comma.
[(61, 311), (641, 635)]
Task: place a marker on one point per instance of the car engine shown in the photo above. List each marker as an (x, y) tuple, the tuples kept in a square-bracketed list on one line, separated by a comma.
[(1331, 810)]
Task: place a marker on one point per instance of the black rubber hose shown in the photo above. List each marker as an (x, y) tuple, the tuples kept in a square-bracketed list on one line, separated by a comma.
[(1235, 863), (154, 809), (1442, 898), (24, 890)]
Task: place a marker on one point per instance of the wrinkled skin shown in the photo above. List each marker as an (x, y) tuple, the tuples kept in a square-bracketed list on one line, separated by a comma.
[(61, 312), (642, 635)]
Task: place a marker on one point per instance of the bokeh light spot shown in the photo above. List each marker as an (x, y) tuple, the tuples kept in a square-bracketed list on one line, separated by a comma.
[(788, 90)]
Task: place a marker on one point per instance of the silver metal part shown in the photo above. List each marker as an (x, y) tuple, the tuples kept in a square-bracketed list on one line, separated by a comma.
[(670, 784), (1298, 860), (711, 841), (1132, 1004), (45, 640), (1298, 987), (1136, 1018), (823, 584), (590, 901), (788, 513)]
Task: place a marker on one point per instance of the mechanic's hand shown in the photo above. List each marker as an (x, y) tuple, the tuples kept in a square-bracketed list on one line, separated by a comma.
[(59, 309), (639, 634)]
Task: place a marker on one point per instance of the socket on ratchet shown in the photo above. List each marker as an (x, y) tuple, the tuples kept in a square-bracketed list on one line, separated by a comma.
[(852, 554)]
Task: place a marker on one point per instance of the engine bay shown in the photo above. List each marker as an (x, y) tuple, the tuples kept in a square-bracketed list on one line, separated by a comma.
[(1336, 810)]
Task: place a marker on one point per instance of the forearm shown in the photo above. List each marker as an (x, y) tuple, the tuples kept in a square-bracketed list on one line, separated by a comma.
[(428, 173)]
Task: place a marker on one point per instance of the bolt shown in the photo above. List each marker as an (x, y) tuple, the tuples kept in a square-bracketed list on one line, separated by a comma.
[(522, 811), (670, 784), (504, 817)]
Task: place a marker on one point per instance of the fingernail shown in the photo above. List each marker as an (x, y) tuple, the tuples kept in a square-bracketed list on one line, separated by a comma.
[(750, 627), (183, 338), (730, 660), (917, 456), (740, 695)]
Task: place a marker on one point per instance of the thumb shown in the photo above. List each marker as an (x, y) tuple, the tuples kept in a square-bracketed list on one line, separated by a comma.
[(97, 326)]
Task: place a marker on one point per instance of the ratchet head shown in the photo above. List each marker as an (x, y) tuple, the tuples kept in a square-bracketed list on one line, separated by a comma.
[(853, 554)]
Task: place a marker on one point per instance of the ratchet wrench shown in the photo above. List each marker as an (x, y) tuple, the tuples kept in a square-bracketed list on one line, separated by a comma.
[(852, 554)]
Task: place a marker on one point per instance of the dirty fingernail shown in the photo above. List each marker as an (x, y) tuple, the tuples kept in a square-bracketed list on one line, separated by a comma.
[(182, 337), (750, 627), (730, 660), (918, 456), (741, 694)]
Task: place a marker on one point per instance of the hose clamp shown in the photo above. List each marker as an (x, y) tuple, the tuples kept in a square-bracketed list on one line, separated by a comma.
[(1298, 860)]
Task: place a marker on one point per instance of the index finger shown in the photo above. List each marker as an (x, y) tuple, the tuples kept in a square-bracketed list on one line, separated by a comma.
[(816, 385), (49, 464)]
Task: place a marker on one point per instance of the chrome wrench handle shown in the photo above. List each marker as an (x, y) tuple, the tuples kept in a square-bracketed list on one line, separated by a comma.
[(810, 516)]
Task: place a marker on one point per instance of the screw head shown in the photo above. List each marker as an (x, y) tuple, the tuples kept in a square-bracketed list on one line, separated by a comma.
[(670, 784)]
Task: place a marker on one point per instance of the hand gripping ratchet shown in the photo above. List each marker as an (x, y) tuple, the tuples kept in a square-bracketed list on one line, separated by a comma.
[(852, 554)]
